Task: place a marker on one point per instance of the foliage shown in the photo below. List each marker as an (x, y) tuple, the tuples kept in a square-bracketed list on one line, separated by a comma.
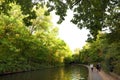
[(94, 14), (26, 7), (112, 58), (23, 49), (68, 60), (39, 38), (102, 51)]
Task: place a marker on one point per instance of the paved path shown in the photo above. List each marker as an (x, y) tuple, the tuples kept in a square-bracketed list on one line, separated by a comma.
[(96, 75), (107, 76)]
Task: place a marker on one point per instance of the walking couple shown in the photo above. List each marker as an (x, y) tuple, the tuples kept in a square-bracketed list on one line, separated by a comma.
[(98, 67)]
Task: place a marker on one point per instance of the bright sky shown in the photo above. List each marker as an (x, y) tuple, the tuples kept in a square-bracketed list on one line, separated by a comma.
[(70, 33)]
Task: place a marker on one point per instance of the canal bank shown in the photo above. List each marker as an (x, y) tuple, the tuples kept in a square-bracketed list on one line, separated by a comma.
[(89, 77), (29, 69)]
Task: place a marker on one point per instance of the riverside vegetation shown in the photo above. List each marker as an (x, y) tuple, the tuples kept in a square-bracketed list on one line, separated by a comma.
[(25, 48), (28, 39)]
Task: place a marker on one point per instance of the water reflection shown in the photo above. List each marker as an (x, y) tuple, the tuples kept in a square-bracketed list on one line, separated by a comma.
[(63, 73)]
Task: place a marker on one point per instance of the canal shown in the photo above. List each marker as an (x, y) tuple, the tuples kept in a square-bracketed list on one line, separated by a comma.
[(73, 72)]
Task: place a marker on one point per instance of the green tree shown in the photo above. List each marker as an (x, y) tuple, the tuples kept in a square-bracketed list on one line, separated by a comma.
[(94, 15), (22, 49)]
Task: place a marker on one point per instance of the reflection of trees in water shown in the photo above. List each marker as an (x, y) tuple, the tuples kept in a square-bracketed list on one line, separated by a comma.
[(62, 73)]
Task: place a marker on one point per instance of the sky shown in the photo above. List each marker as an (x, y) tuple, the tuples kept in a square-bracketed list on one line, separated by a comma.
[(70, 33)]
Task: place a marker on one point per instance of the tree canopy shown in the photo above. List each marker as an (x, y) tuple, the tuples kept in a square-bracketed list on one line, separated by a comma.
[(95, 15), (92, 14)]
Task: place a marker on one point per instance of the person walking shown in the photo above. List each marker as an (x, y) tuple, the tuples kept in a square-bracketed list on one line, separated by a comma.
[(91, 66), (98, 67)]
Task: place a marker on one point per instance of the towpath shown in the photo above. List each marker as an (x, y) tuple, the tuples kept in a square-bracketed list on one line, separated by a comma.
[(99, 75)]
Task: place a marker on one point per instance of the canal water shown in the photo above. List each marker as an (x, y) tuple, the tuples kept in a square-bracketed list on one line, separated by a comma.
[(73, 72)]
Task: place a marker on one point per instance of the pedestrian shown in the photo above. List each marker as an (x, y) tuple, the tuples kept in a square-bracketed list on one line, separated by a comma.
[(91, 66), (98, 67)]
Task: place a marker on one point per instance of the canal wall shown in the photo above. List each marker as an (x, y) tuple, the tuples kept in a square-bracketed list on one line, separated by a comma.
[(89, 74)]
